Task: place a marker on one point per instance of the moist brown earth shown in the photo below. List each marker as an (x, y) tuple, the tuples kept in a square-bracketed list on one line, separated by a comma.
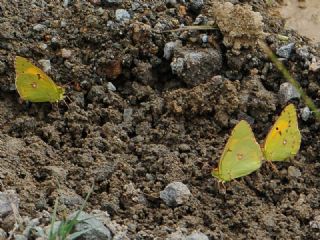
[(159, 126)]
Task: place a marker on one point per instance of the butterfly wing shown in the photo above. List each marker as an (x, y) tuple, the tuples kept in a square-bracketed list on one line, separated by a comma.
[(284, 138), (34, 85), (241, 156)]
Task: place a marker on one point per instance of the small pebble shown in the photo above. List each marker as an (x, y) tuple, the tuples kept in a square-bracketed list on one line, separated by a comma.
[(122, 14), (177, 66), (65, 3), (63, 23), (20, 237), (287, 92), (305, 113), (46, 65), (96, 93), (285, 51), (177, 235), (197, 236), (3, 67), (184, 147), (169, 49), (39, 27), (315, 224), (303, 52), (127, 114), (66, 53), (3, 234), (204, 38), (315, 65), (43, 46), (111, 87), (201, 19), (100, 11), (176, 193), (171, 3), (196, 67), (294, 172), (196, 5), (112, 1), (7, 199)]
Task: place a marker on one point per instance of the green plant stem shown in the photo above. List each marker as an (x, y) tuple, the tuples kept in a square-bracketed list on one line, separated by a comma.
[(279, 65), (201, 27)]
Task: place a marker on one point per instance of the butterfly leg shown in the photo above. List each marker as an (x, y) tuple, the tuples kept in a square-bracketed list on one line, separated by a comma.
[(64, 101), (273, 167)]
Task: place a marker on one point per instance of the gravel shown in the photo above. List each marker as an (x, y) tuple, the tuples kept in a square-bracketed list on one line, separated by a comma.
[(46, 65), (174, 194), (305, 113), (287, 92), (122, 14), (285, 51)]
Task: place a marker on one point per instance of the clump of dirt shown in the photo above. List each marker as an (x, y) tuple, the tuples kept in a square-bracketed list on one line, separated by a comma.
[(240, 26), (137, 120)]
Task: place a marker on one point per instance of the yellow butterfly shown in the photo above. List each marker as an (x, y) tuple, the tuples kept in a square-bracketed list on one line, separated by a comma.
[(34, 85), (241, 156), (284, 139)]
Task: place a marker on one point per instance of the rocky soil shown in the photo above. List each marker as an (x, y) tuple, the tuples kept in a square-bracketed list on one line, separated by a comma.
[(148, 113)]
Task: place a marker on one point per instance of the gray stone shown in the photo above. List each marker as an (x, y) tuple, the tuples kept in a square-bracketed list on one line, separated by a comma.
[(176, 193), (315, 223), (78, 98), (285, 51), (112, 1), (65, 3), (201, 20), (303, 52), (177, 235), (3, 234), (46, 65), (3, 67), (196, 5), (204, 38), (96, 93), (122, 14), (294, 172), (43, 46), (177, 66), (197, 236), (20, 237), (127, 114), (111, 87), (8, 199), (305, 113), (184, 147), (96, 230), (63, 23), (287, 92), (169, 48), (315, 65), (196, 67), (66, 53), (171, 3), (39, 27)]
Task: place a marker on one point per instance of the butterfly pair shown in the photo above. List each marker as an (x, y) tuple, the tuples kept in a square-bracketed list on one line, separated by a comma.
[(34, 85), (242, 154)]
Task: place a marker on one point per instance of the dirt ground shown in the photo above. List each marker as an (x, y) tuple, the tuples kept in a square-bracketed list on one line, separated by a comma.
[(303, 16), (161, 124)]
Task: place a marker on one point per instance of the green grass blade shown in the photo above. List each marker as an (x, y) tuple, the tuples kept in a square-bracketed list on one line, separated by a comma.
[(307, 100)]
